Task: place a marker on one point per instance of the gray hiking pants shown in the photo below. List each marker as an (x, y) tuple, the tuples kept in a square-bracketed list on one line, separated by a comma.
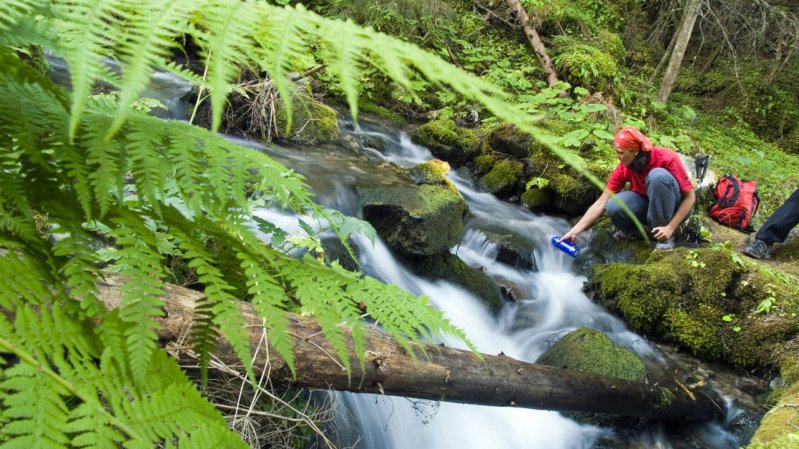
[(655, 209)]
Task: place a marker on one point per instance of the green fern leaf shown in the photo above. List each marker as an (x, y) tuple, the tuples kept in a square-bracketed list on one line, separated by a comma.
[(229, 23), (13, 11), (141, 295), (103, 156), (149, 35), (270, 302), (282, 37), (346, 61), (226, 316), (35, 409), (149, 165), (84, 28)]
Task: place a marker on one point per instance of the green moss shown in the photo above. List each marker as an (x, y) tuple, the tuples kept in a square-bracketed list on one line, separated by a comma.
[(697, 329), (666, 397), (447, 141), (592, 351), (312, 121), (430, 172), (393, 119), (584, 64), (777, 430), (484, 163), (703, 299), (535, 198), (503, 177)]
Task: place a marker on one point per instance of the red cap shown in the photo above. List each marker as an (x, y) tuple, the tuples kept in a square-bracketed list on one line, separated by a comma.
[(629, 138)]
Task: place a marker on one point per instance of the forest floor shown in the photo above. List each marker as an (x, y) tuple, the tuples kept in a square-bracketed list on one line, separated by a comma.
[(784, 256)]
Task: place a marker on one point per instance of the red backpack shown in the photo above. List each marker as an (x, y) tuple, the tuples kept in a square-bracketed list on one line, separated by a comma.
[(736, 201)]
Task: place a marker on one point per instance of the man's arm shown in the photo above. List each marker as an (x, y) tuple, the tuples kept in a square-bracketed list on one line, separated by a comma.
[(591, 215), (687, 202)]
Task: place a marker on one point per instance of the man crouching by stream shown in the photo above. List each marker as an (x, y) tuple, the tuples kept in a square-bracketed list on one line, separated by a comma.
[(661, 194)]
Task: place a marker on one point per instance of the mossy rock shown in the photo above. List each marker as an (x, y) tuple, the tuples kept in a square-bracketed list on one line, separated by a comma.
[(706, 300), (572, 193), (429, 172), (447, 141), (452, 268), (507, 139), (591, 351), (537, 198), (312, 122), (415, 220), (504, 177), (776, 430)]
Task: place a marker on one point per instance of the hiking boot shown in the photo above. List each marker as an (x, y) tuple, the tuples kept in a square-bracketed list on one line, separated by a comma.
[(758, 249), (665, 245)]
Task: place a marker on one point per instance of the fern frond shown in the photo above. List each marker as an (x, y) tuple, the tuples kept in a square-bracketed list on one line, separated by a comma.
[(142, 294), (80, 270), (228, 25), (282, 39), (35, 409), (219, 301), (85, 28), (149, 37), (22, 278), (149, 164), (346, 60), (270, 302), (104, 159), (13, 11)]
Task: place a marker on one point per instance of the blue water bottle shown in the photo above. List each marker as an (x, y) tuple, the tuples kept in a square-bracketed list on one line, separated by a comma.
[(565, 246)]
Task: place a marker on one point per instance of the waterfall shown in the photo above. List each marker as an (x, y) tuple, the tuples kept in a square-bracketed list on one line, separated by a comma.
[(549, 303)]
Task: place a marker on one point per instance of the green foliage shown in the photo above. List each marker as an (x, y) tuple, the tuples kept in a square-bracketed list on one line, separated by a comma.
[(584, 64), (99, 377), (423, 22)]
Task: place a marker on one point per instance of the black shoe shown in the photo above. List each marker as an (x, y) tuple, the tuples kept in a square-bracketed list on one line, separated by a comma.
[(758, 249)]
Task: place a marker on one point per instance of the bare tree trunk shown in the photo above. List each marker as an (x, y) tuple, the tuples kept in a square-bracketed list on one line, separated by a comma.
[(535, 41), (680, 44), (445, 375)]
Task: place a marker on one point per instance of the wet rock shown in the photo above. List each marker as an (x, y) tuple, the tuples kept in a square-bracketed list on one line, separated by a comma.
[(452, 268), (415, 220), (752, 385), (447, 141), (592, 351)]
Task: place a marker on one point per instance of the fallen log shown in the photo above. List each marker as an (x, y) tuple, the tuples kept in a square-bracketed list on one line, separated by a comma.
[(447, 374)]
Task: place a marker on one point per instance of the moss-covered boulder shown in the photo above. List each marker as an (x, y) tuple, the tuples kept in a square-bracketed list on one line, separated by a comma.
[(512, 163), (708, 300), (504, 177), (593, 352), (447, 141), (429, 172), (312, 122), (507, 139), (777, 429), (452, 268), (415, 220)]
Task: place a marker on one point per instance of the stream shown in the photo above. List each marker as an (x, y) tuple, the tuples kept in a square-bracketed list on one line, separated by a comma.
[(548, 303)]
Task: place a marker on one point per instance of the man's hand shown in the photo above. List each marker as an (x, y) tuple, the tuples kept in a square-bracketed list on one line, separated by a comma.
[(662, 232)]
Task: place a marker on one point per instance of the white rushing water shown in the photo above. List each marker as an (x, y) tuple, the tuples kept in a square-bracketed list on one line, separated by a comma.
[(552, 292), (549, 302)]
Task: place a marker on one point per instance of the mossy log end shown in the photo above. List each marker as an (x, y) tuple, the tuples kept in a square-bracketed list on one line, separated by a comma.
[(445, 374)]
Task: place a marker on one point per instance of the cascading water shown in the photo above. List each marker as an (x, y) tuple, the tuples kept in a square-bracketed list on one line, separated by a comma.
[(552, 293), (549, 302)]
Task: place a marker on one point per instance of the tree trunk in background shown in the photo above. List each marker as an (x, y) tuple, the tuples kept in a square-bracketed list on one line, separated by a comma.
[(445, 375), (540, 50), (681, 39)]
